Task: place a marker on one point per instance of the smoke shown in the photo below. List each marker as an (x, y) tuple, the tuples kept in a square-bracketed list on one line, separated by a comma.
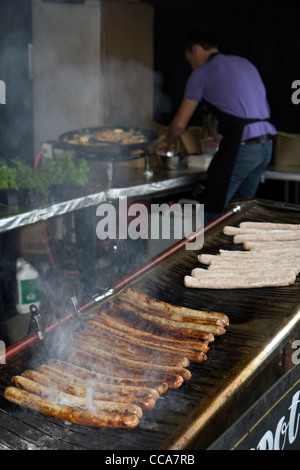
[(162, 102), (74, 88), (132, 93)]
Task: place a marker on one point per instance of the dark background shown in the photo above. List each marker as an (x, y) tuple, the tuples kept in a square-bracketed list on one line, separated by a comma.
[(16, 116), (267, 33)]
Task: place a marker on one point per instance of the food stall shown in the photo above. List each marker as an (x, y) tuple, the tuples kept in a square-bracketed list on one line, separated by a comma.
[(161, 359), (243, 364)]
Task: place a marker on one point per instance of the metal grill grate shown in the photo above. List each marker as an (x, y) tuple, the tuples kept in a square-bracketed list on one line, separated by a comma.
[(182, 417)]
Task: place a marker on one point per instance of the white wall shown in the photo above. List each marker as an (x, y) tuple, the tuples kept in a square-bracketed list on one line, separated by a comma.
[(71, 83)]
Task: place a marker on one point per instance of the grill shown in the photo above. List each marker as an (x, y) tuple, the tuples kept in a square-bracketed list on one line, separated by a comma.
[(262, 321)]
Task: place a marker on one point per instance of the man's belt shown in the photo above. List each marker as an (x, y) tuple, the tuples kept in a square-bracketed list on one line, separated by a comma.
[(257, 140)]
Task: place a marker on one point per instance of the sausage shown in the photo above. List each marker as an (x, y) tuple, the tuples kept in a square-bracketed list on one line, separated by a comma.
[(166, 322), (242, 271), (143, 402), (73, 400), (267, 235), (175, 316), (58, 376), (268, 226), (262, 280), (268, 253), (151, 327), (251, 264), (85, 359), (253, 245), (197, 317), (164, 306), (86, 374), (194, 352), (260, 228), (105, 356), (254, 262), (229, 230), (100, 324), (69, 413), (131, 351), (206, 258), (245, 256)]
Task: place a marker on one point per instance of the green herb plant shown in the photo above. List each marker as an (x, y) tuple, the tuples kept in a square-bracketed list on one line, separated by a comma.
[(8, 176), (51, 172)]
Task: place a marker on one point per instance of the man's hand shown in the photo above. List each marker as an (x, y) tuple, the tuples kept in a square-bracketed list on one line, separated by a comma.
[(164, 147), (179, 124)]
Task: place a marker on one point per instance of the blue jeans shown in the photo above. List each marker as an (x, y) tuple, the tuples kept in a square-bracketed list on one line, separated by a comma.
[(250, 164)]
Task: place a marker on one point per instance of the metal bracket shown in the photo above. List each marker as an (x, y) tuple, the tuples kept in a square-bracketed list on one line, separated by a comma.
[(148, 172), (36, 323), (75, 303)]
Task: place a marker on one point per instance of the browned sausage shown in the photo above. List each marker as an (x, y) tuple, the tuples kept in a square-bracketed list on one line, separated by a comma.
[(72, 389), (66, 398), (164, 306), (86, 374), (70, 413), (165, 321), (82, 358), (129, 350), (144, 338), (58, 376), (173, 312), (168, 349), (119, 320), (113, 359)]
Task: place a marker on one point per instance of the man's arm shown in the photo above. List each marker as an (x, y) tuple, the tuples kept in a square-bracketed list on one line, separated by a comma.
[(179, 123)]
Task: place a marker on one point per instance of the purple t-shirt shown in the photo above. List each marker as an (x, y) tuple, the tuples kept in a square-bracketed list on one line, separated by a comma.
[(233, 85)]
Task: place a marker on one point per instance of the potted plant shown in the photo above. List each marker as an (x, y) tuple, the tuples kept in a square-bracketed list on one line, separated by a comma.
[(19, 177), (8, 184)]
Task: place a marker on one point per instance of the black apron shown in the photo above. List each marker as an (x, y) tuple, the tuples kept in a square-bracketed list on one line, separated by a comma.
[(220, 169)]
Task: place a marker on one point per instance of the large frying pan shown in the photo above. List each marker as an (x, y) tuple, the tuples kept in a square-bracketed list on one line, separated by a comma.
[(96, 148)]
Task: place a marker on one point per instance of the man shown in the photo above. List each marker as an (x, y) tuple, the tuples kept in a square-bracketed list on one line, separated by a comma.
[(234, 92)]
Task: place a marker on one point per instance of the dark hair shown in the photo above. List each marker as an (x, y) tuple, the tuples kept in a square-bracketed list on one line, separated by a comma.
[(201, 37)]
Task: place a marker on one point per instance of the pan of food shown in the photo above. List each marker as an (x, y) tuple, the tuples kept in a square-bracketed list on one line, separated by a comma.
[(108, 143)]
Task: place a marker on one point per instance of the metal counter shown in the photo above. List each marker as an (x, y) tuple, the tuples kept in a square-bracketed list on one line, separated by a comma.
[(129, 182), (286, 174)]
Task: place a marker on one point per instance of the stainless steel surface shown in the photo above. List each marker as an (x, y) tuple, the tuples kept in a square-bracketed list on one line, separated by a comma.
[(129, 182), (282, 174), (288, 175), (173, 161)]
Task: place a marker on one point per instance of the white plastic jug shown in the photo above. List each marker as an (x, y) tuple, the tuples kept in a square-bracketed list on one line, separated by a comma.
[(27, 286)]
